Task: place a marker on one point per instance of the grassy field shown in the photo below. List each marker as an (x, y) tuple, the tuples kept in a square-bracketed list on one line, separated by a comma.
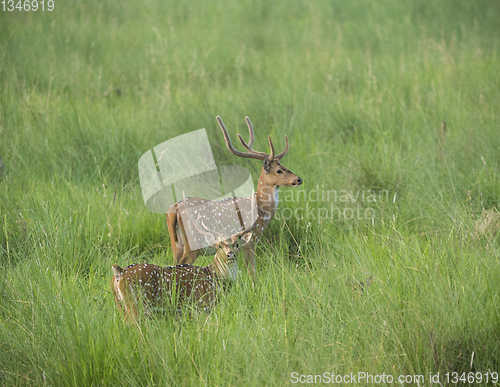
[(360, 88)]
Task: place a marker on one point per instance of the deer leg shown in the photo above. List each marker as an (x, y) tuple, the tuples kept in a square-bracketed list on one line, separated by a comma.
[(178, 249), (188, 256), (176, 241)]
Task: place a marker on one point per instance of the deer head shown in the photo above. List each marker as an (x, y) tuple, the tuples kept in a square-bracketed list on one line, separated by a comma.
[(273, 172)]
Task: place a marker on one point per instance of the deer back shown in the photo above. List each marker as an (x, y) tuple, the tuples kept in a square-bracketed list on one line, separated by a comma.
[(163, 288)]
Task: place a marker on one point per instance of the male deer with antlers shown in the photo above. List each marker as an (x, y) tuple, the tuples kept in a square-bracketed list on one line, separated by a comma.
[(160, 287), (272, 176)]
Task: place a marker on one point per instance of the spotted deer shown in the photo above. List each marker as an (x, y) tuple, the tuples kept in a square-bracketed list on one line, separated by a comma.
[(162, 287), (273, 175)]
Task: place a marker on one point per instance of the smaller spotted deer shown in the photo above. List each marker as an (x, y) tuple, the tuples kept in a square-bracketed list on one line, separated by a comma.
[(163, 287)]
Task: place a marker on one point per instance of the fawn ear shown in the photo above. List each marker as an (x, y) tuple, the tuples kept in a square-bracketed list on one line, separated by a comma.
[(267, 164), (118, 271), (246, 238)]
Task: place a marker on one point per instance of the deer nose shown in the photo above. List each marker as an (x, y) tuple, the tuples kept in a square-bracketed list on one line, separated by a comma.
[(298, 181), (230, 255)]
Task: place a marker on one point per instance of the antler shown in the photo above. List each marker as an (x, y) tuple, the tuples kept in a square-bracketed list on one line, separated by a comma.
[(252, 154), (282, 154)]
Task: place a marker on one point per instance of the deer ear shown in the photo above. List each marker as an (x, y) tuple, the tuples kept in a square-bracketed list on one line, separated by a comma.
[(246, 238), (267, 164)]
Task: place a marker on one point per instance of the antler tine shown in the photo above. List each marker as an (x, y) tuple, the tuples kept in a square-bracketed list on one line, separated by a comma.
[(271, 155), (282, 154), (250, 131), (208, 230), (249, 146), (261, 155), (229, 144)]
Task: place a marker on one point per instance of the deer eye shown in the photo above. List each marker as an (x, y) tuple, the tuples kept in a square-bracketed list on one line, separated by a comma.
[(279, 171)]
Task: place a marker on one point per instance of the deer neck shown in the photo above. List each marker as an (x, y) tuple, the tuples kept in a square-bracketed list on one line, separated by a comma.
[(267, 200), (209, 271), (212, 272), (214, 275)]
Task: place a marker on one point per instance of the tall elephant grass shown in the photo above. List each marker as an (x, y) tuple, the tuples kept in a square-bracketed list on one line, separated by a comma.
[(386, 260)]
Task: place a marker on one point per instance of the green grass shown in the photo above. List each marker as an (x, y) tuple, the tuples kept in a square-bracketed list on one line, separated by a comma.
[(361, 90)]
